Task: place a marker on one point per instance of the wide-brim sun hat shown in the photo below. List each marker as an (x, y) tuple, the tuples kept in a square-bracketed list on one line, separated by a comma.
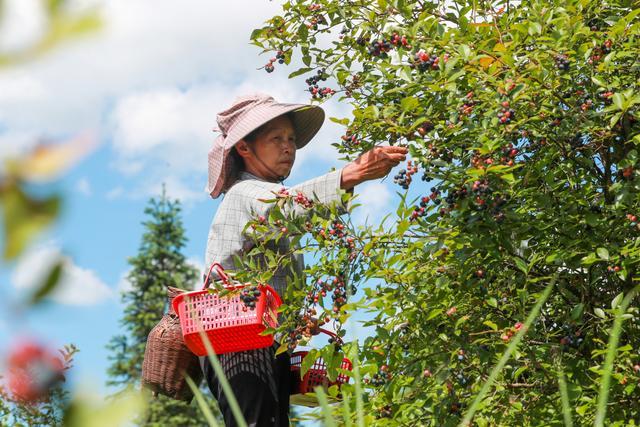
[(247, 114)]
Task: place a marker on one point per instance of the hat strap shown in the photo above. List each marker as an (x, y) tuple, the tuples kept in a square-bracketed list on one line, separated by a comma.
[(280, 178)]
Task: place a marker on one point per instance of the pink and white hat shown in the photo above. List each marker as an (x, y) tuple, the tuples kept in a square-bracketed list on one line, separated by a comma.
[(246, 115)]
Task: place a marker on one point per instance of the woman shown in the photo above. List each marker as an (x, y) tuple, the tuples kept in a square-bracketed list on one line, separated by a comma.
[(248, 162)]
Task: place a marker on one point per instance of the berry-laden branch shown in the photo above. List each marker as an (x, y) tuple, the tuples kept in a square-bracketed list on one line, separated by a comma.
[(521, 121)]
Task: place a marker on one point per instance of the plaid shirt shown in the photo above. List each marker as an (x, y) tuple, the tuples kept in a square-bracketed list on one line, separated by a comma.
[(241, 204)]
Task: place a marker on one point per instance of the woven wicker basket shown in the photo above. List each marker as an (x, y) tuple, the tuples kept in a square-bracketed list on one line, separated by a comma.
[(167, 359)]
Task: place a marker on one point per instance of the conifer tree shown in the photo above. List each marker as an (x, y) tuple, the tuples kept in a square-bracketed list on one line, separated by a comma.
[(158, 264)]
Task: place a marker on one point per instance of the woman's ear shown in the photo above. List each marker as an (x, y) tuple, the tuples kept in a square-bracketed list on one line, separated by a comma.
[(243, 149)]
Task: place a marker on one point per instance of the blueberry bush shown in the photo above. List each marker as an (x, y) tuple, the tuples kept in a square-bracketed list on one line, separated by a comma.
[(501, 291)]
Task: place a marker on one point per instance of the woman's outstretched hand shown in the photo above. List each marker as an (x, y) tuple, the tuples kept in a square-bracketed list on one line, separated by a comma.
[(375, 163)]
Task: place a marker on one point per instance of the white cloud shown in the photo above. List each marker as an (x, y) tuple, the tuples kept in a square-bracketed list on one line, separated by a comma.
[(152, 82), (83, 186), (124, 285), (144, 45), (13, 144), (22, 24), (375, 200), (77, 286), (115, 193)]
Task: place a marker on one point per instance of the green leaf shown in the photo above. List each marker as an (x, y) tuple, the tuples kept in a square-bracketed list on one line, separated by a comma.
[(303, 32), (308, 361), (255, 34), (535, 28), (618, 100), (522, 266), (300, 72), (465, 51), (490, 324), (283, 347), (508, 177), (600, 313), (616, 301), (576, 313), (405, 74), (603, 253), (49, 284), (343, 122), (409, 104)]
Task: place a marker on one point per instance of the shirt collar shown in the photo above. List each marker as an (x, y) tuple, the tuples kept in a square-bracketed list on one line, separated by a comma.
[(246, 175)]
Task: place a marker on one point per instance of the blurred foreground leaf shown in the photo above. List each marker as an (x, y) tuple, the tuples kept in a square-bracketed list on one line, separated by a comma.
[(49, 284), (49, 161), (92, 411), (63, 26), (24, 217)]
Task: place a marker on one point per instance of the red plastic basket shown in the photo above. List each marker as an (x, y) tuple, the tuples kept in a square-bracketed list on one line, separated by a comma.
[(226, 321), (315, 376)]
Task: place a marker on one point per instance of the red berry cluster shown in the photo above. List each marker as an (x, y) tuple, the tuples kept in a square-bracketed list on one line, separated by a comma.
[(385, 412), (338, 290), (467, 104), (421, 210), (613, 269), (314, 89), (586, 105), (606, 97), (32, 371), (423, 61), (303, 329), (455, 195), (509, 332), (283, 192), (403, 178), (562, 62), (425, 127), (633, 220), (314, 7), (303, 200), (338, 234), (269, 65), (249, 296), (398, 40), (509, 152), (339, 296), (600, 51), (350, 140), (379, 48), (627, 172), (317, 19), (480, 162), (506, 114), (320, 93), (481, 187), (381, 377)]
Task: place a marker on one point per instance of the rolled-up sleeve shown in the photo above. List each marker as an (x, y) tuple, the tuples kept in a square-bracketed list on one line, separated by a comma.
[(324, 189)]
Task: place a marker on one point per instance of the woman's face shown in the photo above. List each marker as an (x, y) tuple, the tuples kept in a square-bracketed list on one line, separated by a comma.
[(273, 152)]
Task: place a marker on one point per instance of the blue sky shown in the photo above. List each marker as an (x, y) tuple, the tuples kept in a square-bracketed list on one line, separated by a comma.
[(149, 85)]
